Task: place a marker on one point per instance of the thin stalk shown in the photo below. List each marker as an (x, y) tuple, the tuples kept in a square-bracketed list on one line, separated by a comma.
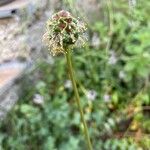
[(72, 77), (110, 15)]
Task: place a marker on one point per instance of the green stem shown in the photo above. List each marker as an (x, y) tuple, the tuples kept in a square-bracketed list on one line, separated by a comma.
[(71, 73), (110, 14)]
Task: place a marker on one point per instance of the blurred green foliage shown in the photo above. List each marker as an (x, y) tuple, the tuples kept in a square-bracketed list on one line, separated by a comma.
[(117, 70)]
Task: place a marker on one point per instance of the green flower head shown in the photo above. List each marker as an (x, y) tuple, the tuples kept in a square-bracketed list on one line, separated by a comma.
[(63, 30)]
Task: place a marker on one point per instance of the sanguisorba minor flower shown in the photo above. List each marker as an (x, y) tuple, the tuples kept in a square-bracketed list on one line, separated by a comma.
[(62, 33), (63, 30)]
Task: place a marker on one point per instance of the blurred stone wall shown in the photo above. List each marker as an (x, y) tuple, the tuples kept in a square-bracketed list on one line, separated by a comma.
[(20, 44), (91, 10)]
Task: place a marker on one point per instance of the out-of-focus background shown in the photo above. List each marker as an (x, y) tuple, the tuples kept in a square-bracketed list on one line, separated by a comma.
[(37, 106)]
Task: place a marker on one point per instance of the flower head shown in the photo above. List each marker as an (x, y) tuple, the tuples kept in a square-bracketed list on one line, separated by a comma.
[(106, 97), (91, 95), (132, 3), (122, 74), (113, 58), (68, 84), (38, 99), (63, 30)]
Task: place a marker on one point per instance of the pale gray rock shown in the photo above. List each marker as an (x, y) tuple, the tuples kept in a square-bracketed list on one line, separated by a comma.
[(10, 72)]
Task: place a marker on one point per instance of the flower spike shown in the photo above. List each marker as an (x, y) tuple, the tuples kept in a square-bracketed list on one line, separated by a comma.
[(63, 31)]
